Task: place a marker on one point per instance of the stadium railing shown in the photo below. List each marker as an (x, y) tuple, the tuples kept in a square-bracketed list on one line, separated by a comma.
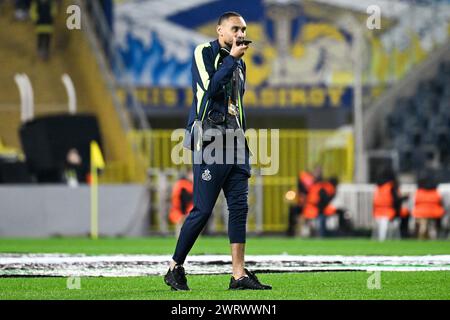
[(268, 206), (298, 150)]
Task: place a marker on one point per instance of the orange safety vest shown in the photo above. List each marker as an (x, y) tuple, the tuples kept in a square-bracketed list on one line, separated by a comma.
[(311, 210), (383, 202), (428, 204), (307, 179), (176, 213)]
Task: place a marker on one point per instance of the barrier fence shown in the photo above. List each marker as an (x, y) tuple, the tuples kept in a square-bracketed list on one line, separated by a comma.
[(268, 207), (297, 150)]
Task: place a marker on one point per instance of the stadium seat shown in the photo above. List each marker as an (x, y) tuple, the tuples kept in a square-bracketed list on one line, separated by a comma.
[(419, 127)]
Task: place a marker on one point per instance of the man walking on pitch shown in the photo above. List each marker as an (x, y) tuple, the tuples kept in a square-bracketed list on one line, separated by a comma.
[(218, 78)]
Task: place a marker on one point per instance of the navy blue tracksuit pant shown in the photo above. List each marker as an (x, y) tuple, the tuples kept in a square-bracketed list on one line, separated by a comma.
[(209, 179)]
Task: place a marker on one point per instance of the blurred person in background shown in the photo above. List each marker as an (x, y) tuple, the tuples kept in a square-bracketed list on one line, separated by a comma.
[(318, 201), (344, 221), (404, 217), (22, 9), (73, 172), (43, 13), (387, 202), (428, 208), (305, 181), (181, 200)]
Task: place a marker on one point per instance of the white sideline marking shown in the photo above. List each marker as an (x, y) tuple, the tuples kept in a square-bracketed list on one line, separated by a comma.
[(141, 265)]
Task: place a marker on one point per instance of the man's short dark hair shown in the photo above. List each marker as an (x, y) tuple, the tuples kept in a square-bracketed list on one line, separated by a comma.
[(227, 15)]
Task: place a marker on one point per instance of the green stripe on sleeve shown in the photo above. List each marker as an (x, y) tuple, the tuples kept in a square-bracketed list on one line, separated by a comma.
[(198, 54)]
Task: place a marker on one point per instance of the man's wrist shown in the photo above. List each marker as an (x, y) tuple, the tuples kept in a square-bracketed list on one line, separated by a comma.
[(230, 60), (234, 58)]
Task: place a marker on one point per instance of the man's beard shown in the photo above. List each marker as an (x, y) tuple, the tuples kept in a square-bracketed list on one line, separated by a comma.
[(229, 44)]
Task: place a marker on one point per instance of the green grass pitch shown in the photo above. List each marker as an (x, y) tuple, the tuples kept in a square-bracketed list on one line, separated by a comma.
[(292, 286)]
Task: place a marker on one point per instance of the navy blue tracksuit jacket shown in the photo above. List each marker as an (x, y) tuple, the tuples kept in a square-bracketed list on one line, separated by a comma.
[(211, 71)]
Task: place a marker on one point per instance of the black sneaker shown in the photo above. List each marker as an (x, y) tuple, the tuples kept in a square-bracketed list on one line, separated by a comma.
[(253, 276), (249, 282), (176, 279)]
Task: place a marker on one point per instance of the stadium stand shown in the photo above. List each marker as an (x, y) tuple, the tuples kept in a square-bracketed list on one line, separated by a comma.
[(76, 53), (313, 112), (419, 126)]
